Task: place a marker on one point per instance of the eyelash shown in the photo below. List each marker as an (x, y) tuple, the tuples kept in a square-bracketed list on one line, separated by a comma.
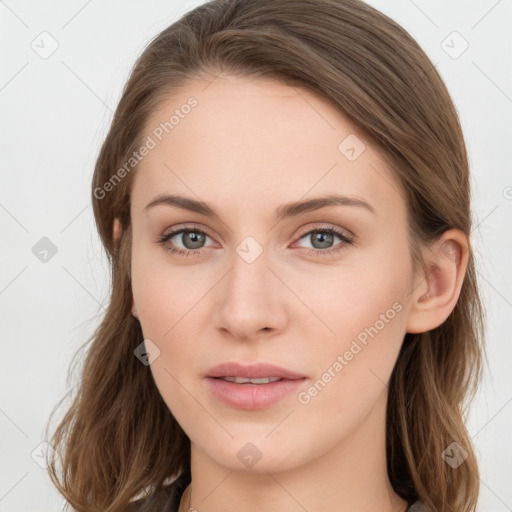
[(312, 252)]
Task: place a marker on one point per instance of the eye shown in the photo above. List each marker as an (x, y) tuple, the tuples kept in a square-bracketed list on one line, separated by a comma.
[(322, 239), (191, 239)]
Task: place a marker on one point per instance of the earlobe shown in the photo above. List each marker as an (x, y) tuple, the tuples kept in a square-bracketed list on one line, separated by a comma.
[(116, 230), (134, 310), (435, 297)]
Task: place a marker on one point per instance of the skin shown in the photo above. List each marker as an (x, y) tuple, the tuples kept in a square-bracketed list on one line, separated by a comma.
[(250, 145)]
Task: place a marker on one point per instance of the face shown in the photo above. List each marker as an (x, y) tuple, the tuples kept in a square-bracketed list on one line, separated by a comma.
[(321, 290)]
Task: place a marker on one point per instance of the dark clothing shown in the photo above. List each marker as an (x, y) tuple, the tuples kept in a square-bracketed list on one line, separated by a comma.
[(168, 499)]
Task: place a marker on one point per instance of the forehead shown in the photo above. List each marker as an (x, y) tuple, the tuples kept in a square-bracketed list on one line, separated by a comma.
[(260, 138)]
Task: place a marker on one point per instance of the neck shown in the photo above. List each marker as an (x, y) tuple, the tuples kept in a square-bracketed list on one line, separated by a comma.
[(349, 476)]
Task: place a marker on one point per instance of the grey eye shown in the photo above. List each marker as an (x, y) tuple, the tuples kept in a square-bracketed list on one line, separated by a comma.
[(190, 239)]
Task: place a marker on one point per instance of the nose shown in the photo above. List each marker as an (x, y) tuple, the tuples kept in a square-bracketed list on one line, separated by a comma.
[(251, 301)]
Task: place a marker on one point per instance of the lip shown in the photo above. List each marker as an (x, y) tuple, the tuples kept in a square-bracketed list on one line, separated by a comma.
[(252, 396), (252, 371)]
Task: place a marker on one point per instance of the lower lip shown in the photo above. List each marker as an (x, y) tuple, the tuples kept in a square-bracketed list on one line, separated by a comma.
[(252, 396)]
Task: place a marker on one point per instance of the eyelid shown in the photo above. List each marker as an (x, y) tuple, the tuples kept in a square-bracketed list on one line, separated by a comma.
[(191, 226), (324, 226)]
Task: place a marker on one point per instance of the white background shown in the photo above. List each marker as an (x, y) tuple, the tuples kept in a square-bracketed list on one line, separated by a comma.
[(55, 113)]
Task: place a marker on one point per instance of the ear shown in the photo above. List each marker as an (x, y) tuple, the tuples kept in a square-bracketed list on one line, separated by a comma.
[(116, 233), (435, 293), (116, 230), (134, 310)]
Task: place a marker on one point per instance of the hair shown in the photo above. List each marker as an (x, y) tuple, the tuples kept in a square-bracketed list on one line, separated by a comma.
[(118, 438)]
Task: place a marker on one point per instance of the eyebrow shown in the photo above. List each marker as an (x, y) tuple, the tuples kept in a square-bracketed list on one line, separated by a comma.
[(286, 210)]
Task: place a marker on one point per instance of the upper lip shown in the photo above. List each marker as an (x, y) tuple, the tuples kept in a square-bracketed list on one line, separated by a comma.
[(252, 371)]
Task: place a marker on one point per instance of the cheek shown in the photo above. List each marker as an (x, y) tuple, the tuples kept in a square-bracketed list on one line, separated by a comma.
[(353, 300), (163, 293), (355, 366), (171, 306), (367, 311)]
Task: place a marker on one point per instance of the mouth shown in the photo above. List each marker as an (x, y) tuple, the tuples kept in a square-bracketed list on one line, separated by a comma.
[(252, 387), (247, 380), (252, 372)]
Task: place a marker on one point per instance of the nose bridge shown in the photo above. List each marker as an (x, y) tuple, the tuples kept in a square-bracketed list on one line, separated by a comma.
[(249, 299), (249, 279)]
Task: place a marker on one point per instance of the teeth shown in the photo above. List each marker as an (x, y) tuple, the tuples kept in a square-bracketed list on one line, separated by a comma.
[(244, 380)]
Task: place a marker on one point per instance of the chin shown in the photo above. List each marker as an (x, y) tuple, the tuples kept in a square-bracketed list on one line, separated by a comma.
[(255, 454)]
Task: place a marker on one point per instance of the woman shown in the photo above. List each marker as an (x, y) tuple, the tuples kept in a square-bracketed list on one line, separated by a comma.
[(295, 321)]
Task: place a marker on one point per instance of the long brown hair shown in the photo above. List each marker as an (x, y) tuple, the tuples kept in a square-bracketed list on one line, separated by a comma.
[(118, 437)]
